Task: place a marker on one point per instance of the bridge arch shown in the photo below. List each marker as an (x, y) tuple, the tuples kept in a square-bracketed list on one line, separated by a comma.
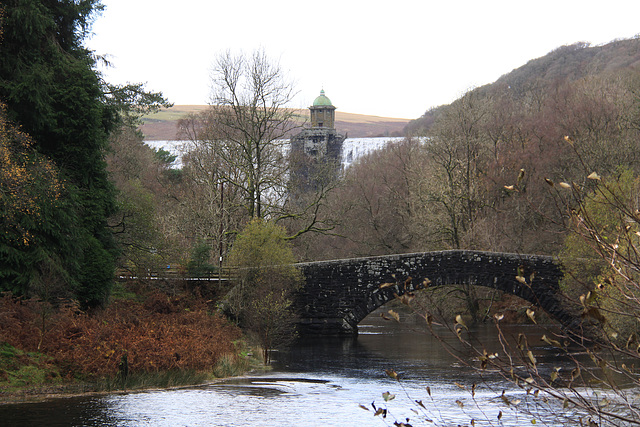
[(338, 294)]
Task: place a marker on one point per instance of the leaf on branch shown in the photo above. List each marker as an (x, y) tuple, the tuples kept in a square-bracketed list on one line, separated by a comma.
[(395, 315), (564, 185), (391, 373), (460, 404), (429, 318), (460, 322), (498, 316), (550, 341), (591, 297), (566, 138), (510, 188), (363, 407), (388, 396), (522, 341), (631, 340), (587, 298), (426, 282), (594, 175), (406, 298), (520, 176), (521, 280), (532, 358), (548, 181), (531, 315), (575, 373), (386, 285), (484, 361)]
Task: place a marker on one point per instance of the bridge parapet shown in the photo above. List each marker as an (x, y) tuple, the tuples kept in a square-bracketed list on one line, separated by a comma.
[(338, 294)]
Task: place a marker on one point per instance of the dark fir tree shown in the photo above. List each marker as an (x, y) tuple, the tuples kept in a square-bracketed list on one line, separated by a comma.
[(51, 89)]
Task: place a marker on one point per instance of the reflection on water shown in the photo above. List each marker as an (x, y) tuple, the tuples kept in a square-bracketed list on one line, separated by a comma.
[(325, 382)]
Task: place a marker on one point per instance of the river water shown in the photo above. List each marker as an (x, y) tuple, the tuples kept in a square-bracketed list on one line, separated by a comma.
[(319, 382)]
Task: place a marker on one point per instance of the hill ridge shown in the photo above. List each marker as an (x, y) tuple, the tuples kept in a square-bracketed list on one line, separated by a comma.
[(162, 126)]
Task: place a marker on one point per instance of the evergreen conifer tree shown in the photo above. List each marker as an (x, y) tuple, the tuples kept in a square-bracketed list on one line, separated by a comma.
[(53, 92)]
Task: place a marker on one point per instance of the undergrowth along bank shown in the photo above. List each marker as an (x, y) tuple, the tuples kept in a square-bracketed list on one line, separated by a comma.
[(147, 340)]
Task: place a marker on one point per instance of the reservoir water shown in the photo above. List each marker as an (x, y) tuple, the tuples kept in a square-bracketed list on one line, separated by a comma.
[(320, 382), (352, 149)]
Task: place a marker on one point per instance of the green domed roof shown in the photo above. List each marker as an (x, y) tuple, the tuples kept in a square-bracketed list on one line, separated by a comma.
[(322, 100)]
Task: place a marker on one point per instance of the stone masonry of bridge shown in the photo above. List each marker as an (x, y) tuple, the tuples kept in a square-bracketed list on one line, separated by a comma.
[(339, 294)]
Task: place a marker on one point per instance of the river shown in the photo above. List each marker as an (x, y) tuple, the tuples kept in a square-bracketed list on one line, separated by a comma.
[(319, 382)]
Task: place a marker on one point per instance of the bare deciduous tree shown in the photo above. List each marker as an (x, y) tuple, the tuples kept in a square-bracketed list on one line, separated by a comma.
[(250, 122), (238, 151)]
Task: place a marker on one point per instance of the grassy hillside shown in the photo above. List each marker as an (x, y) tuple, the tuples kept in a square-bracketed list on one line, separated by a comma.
[(163, 125)]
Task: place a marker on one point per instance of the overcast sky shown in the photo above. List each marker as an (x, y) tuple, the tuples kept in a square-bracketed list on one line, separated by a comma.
[(391, 58)]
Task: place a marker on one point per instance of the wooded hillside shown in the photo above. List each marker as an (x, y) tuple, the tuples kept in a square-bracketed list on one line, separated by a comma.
[(564, 64), (460, 189)]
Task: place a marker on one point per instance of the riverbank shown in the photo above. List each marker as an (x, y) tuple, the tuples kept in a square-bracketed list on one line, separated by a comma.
[(229, 367), (141, 339), (157, 382)]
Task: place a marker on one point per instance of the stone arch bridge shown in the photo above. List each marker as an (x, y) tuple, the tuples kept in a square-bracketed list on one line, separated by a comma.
[(339, 294)]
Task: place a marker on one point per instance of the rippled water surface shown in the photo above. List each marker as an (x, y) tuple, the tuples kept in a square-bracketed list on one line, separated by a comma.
[(320, 382)]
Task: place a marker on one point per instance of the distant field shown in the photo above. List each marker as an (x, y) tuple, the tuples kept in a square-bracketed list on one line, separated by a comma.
[(176, 112), (163, 125)]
